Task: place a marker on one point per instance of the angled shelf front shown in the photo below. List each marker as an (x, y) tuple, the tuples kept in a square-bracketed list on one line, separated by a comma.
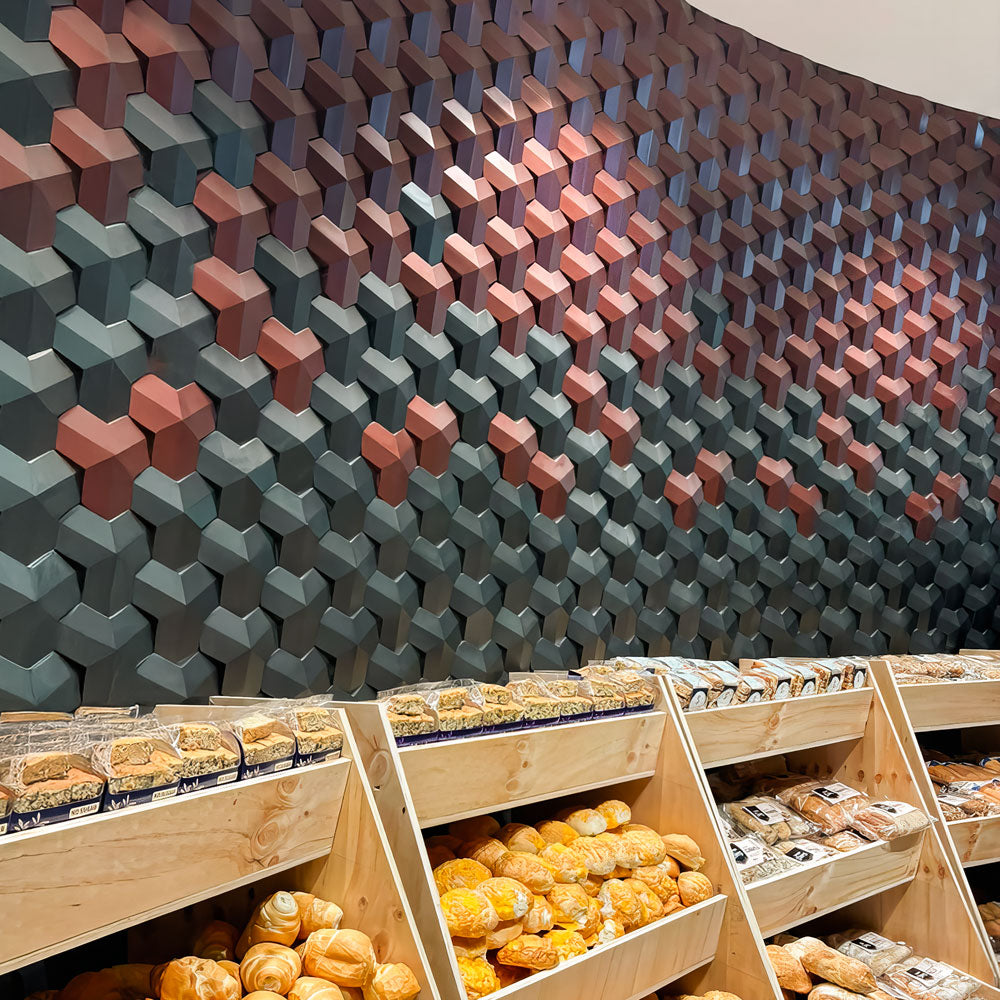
[(467, 777), (951, 704), (785, 900), (977, 840), (73, 882), (748, 732)]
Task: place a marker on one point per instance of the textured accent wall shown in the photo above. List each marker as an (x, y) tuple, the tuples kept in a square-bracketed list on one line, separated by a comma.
[(353, 342)]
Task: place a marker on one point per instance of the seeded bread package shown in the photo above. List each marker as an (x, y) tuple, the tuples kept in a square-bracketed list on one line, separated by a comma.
[(459, 708), (140, 760), (576, 703), (539, 705), (877, 952), (637, 685), (501, 712), (753, 859), (410, 715), (831, 805), (926, 979), (319, 734), (889, 820), (607, 690), (266, 740), (768, 818), (48, 771), (210, 752)]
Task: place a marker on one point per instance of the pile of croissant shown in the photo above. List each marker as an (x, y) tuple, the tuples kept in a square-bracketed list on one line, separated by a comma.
[(262, 963), (521, 899)]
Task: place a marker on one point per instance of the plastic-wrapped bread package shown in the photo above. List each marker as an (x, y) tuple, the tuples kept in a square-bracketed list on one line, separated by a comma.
[(877, 952), (501, 713), (722, 678), (49, 773), (317, 730), (831, 805), (889, 820), (606, 690), (829, 673), (458, 706), (210, 755), (572, 693), (951, 805), (749, 687), (805, 678), (411, 718), (939, 666), (140, 760), (844, 842), (768, 818), (690, 687), (777, 679), (637, 686), (540, 706), (804, 850), (754, 860), (925, 979), (855, 671), (267, 742)]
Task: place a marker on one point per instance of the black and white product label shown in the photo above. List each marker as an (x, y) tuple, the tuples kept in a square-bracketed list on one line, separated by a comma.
[(929, 972), (835, 792), (893, 808), (699, 699), (951, 800), (764, 813), (725, 697), (747, 853), (783, 690), (873, 942), (860, 677), (799, 854), (808, 687), (833, 684)]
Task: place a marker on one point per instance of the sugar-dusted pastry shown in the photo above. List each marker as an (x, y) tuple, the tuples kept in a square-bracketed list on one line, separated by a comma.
[(276, 919), (504, 932), (529, 951), (652, 906), (509, 897), (468, 913), (478, 977), (316, 914), (462, 873), (518, 837), (270, 966), (569, 905), (620, 902), (684, 850), (395, 981), (194, 979), (344, 957), (566, 865), (311, 988), (486, 850), (539, 917), (527, 869), (217, 941), (694, 888), (615, 813), (474, 828), (555, 831), (568, 944), (659, 879), (586, 822), (597, 856)]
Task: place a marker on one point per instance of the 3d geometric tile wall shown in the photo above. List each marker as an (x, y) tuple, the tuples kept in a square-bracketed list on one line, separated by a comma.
[(346, 342)]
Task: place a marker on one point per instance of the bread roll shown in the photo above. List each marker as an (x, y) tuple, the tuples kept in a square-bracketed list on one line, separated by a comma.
[(684, 850), (311, 988), (529, 951), (586, 822), (503, 933), (694, 888), (596, 855), (344, 957), (468, 913), (566, 865), (555, 831), (569, 905), (395, 981), (791, 975), (518, 837), (528, 869), (474, 828), (615, 813), (462, 873), (568, 944), (469, 947), (509, 897), (478, 977), (825, 963), (619, 901), (539, 917)]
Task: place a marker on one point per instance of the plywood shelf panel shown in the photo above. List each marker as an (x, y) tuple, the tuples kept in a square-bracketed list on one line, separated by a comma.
[(977, 839), (468, 777), (951, 704), (747, 732), (70, 883)]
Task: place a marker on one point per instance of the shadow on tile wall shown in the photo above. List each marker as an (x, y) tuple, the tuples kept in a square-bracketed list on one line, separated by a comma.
[(353, 342)]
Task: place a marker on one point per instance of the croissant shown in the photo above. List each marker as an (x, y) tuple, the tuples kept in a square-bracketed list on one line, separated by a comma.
[(316, 914), (233, 968), (194, 978), (270, 966), (344, 957), (311, 988), (120, 982), (276, 920), (217, 941)]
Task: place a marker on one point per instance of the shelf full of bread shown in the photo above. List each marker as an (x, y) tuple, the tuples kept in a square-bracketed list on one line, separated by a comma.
[(561, 859), (813, 793), (191, 804)]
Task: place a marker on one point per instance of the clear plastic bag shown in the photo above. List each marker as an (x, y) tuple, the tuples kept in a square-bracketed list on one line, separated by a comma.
[(140, 759), (411, 718), (925, 979), (804, 851), (768, 818), (458, 706), (877, 952), (266, 740), (831, 805), (889, 820)]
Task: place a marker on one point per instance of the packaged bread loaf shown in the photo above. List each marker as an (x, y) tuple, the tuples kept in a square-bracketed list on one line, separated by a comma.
[(209, 755), (637, 686), (690, 687), (458, 706), (539, 705), (926, 979), (831, 805), (780, 681), (844, 841), (571, 694), (889, 820), (877, 952), (266, 741), (606, 690), (804, 851), (755, 860), (855, 671), (316, 727), (410, 716), (768, 818), (500, 711), (821, 960), (141, 764)]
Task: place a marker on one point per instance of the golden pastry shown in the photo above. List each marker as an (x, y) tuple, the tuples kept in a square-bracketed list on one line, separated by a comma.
[(684, 850), (518, 837), (344, 957), (566, 865), (509, 975), (592, 923), (527, 869), (486, 850), (595, 854), (503, 933), (615, 812), (568, 944), (694, 888), (586, 822), (539, 917), (619, 901), (529, 951), (509, 897), (316, 914), (233, 968), (659, 879), (468, 913), (193, 979), (569, 905), (469, 947), (394, 981), (217, 941), (651, 903), (592, 884), (555, 831), (311, 988), (439, 855), (474, 828), (462, 873), (276, 920), (478, 977), (270, 966)]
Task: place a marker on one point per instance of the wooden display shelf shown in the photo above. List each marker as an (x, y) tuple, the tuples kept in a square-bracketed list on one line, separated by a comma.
[(74, 882), (951, 704), (791, 898), (469, 777), (977, 839), (746, 732), (634, 965)]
